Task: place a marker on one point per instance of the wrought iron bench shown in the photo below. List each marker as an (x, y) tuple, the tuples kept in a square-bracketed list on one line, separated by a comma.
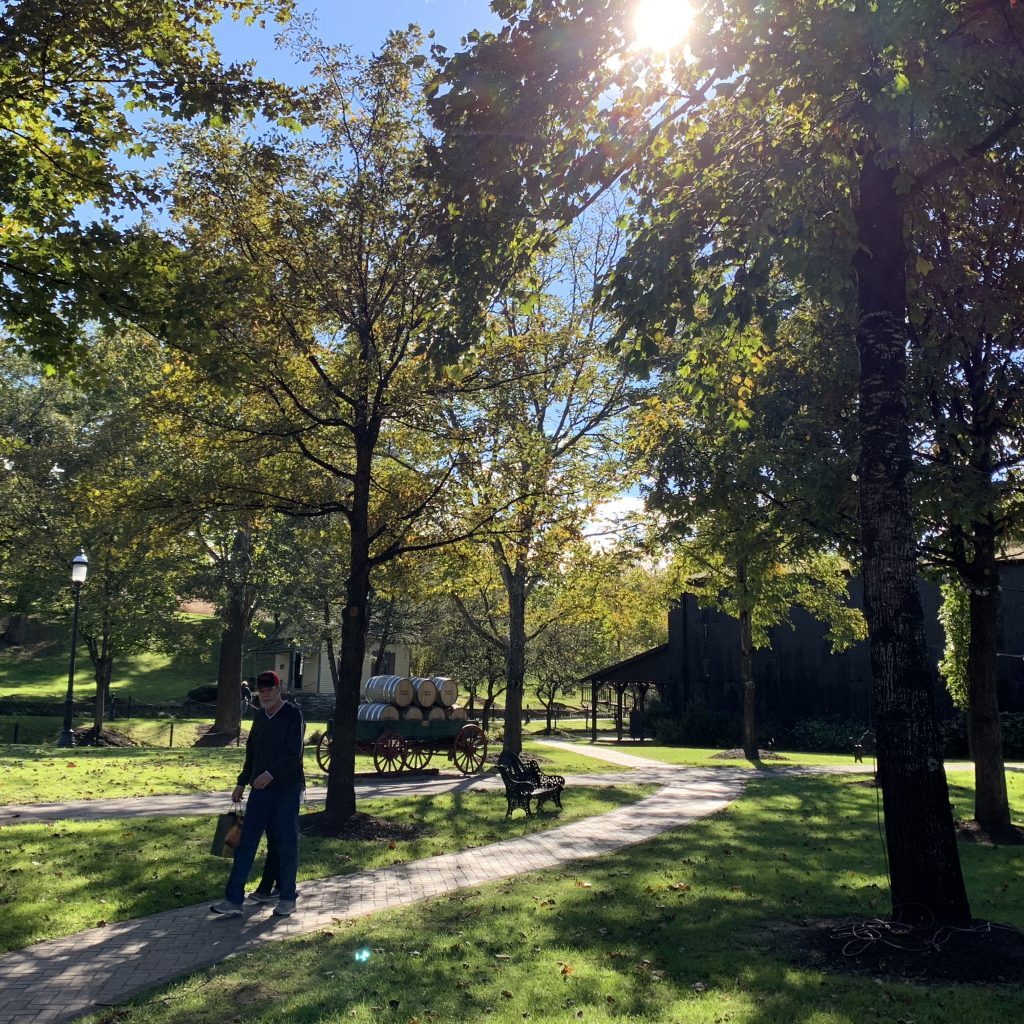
[(526, 783)]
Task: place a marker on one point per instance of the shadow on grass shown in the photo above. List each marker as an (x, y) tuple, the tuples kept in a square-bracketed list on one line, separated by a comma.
[(695, 925)]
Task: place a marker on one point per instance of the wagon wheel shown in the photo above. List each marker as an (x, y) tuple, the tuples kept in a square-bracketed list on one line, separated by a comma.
[(417, 755), (387, 752), (469, 749), (323, 753)]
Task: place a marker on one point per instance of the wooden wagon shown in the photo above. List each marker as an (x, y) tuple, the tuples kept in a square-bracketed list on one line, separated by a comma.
[(410, 745)]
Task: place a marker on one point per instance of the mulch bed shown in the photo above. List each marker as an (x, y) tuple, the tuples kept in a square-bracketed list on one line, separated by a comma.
[(85, 736), (989, 953), (737, 753), (359, 826), (208, 738), (970, 831)]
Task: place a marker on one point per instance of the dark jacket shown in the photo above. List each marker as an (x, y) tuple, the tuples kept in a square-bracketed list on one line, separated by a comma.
[(275, 745)]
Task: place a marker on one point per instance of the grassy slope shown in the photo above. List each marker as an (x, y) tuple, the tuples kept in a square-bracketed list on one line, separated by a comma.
[(40, 669), (60, 878), (691, 927)]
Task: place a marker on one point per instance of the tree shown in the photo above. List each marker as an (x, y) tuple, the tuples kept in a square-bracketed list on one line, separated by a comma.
[(792, 135), (100, 447), (965, 384), (329, 345), (74, 75), (549, 415), (748, 467), (449, 645)]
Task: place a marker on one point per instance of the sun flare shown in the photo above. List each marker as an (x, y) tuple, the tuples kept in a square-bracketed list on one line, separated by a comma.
[(661, 24)]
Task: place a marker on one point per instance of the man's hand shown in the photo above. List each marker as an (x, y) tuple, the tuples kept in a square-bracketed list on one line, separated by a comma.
[(262, 781), (236, 794)]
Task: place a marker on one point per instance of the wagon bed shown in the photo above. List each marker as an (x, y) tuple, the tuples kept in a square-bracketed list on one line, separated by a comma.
[(410, 745)]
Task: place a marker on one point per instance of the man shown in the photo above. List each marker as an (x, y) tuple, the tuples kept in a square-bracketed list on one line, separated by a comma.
[(273, 768)]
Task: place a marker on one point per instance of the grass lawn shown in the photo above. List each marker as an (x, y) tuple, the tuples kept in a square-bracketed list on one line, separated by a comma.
[(562, 762), (694, 927), (40, 730), (60, 878), (35, 774), (705, 757), (44, 774), (40, 669)]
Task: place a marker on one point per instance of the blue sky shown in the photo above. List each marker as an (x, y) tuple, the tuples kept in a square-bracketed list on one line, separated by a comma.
[(361, 24)]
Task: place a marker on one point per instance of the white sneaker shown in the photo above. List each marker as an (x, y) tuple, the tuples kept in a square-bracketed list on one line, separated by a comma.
[(260, 896), (227, 908), (285, 908)]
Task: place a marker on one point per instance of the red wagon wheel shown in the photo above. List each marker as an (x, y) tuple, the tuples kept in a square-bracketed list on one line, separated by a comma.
[(323, 753), (417, 755), (469, 749), (388, 752)]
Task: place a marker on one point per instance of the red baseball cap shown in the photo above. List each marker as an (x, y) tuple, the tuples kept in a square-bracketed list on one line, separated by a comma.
[(265, 679)]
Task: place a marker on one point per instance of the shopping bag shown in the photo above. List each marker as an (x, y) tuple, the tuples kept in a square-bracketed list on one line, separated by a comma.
[(228, 833)]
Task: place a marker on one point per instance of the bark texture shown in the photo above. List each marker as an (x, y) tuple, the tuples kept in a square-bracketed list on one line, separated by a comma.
[(749, 691), (925, 875), (991, 801)]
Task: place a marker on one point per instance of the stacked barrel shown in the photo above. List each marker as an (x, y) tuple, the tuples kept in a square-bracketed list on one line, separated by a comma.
[(421, 698)]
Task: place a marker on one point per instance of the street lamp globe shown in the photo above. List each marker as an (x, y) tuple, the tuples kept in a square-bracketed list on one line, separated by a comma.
[(79, 567)]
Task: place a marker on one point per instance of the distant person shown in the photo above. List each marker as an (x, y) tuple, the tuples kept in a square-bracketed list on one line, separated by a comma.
[(273, 768), (246, 695)]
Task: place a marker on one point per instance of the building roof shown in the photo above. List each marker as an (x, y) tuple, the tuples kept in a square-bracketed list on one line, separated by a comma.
[(649, 667)]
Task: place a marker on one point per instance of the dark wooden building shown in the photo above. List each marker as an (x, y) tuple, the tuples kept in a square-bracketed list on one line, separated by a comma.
[(798, 676)]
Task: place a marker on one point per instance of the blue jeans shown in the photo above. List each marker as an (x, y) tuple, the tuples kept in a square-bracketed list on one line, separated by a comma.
[(276, 812)]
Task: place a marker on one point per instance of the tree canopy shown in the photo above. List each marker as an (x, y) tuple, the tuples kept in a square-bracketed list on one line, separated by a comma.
[(788, 139), (77, 79)]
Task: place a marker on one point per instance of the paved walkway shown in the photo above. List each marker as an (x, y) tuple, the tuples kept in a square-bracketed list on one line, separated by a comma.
[(64, 978)]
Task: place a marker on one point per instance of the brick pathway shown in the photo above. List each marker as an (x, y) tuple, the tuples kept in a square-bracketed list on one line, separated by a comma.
[(64, 978)]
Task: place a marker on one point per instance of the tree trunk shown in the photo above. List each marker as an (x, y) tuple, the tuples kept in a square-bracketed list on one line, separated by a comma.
[(341, 778), (927, 883), (749, 693), (515, 668), (991, 802), (17, 627), (103, 674), (236, 616), (227, 719), (385, 635)]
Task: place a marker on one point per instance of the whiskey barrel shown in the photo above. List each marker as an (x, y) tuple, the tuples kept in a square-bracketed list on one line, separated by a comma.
[(377, 713), (388, 690), (412, 714), (457, 714), (436, 714), (447, 691), (425, 690)]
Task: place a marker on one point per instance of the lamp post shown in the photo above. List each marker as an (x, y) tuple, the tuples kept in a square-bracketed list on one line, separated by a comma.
[(79, 571)]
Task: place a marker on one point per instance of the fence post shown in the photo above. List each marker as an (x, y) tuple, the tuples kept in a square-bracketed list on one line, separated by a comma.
[(171, 743), (128, 713), (15, 740)]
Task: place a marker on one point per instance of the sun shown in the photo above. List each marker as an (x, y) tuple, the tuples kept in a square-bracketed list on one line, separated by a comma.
[(661, 24)]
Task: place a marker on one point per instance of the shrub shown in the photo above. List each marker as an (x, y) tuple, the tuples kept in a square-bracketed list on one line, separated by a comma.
[(954, 736), (205, 694), (829, 735), (314, 737), (699, 725)]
